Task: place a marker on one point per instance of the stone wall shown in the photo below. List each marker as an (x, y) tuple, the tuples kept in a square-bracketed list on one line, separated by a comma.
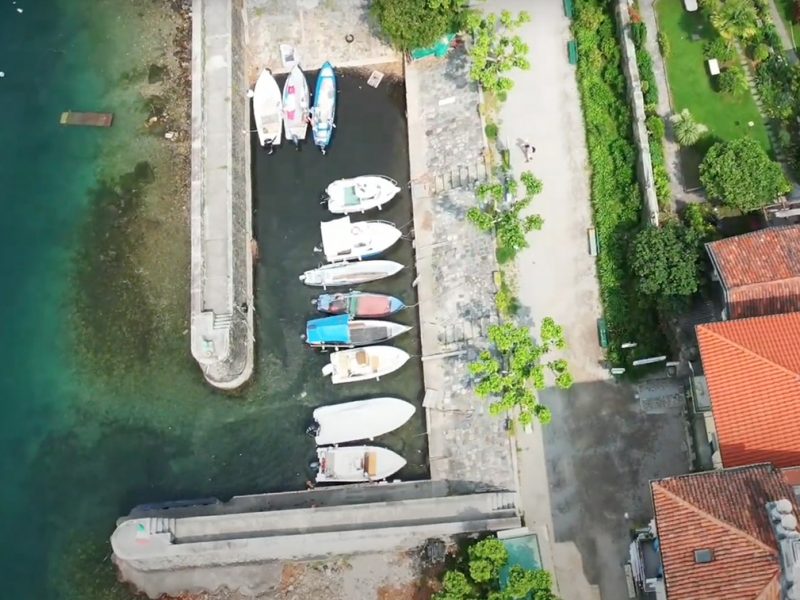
[(222, 274), (636, 98)]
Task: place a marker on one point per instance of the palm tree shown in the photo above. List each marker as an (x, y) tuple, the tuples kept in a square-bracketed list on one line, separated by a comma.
[(687, 131), (735, 19)]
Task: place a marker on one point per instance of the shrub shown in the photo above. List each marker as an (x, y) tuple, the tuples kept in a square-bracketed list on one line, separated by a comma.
[(664, 44), (720, 49), (413, 24), (655, 127), (666, 260), (663, 191), (638, 34), (732, 81), (760, 52), (796, 12), (491, 131), (687, 131)]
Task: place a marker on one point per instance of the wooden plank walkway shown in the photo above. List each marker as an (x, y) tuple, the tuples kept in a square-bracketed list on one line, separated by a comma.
[(87, 119)]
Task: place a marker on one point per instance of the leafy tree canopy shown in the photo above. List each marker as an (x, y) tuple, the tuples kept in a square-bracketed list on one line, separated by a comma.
[(411, 24), (665, 260), (494, 51), (739, 174)]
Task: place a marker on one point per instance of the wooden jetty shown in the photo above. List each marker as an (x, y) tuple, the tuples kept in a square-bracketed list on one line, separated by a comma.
[(87, 119)]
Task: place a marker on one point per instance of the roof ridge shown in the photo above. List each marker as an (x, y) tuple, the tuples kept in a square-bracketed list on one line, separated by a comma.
[(745, 349), (745, 286), (719, 522)]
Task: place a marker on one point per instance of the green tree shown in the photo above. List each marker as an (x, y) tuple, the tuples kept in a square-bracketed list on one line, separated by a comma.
[(486, 558), (733, 81), (526, 584), (687, 131), (739, 174), (456, 586), (720, 49), (735, 19), (413, 24), (665, 260), (513, 377), (495, 51)]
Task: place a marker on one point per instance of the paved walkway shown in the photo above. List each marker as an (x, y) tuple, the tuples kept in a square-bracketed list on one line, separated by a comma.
[(581, 474)]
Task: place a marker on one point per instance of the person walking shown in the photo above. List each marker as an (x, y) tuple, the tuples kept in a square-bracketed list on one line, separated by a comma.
[(528, 149)]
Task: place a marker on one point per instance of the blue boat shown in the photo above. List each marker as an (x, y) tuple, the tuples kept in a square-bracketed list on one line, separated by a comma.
[(359, 304), (323, 112), (343, 332)]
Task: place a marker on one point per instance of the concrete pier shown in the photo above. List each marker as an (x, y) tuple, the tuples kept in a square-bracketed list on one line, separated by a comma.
[(221, 203)]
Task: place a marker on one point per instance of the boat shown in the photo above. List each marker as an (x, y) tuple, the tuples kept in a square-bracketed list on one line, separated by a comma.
[(359, 420), (361, 364), (341, 331), (360, 194), (359, 304), (348, 464), (324, 109), (268, 110), (295, 105), (341, 274), (343, 240)]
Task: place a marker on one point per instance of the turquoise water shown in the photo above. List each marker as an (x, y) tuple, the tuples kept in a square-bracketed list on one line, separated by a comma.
[(101, 405), (523, 552)]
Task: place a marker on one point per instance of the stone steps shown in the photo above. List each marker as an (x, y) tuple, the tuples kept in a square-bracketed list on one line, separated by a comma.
[(460, 177), (223, 321)]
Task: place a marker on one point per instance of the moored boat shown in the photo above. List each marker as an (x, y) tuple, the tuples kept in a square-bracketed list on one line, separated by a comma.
[(341, 331), (359, 420), (360, 194), (348, 464), (323, 112), (343, 240), (268, 110), (359, 304), (361, 364), (345, 274), (295, 105)]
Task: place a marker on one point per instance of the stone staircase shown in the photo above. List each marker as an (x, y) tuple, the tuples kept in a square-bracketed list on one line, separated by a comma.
[(455, 334), (223, 321), (460, 177)]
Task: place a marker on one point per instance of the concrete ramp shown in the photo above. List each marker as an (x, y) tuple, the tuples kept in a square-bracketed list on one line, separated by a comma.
[(162, 543)]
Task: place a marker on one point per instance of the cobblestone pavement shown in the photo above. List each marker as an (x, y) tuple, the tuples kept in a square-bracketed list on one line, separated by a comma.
[(317, 29), (455, 264)]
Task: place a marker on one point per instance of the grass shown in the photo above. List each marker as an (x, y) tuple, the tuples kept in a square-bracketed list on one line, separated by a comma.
[(692, 87)]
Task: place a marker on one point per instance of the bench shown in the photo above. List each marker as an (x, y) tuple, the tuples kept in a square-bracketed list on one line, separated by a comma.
[(592, 235), (569, 9), (572, 52), (602, 333), (713, 66)]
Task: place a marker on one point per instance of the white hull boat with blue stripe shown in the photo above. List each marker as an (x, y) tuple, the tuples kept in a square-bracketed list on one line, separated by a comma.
[(343, 240), (360, 194), (323, 112)]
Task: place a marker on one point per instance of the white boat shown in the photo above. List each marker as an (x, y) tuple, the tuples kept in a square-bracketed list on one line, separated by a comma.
[(348, 464), (295, 105), (361, 364), (360, 194), (268, 110), (343, 240), (346, 274), (359, 420)]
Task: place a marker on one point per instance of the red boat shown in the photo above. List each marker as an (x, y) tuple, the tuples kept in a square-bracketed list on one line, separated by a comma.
[(359, 304)]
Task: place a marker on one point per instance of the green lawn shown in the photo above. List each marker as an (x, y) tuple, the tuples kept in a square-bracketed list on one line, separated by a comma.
[(692, 86)]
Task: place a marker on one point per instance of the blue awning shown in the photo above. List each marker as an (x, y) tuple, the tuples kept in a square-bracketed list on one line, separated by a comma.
[(328, 330)]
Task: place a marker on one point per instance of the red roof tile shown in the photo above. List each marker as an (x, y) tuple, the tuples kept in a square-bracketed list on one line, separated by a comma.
[(752, 367), (723, 511), (760, 271)]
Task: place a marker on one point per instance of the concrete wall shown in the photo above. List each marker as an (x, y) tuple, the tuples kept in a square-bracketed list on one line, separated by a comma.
[(644, 164), (221, 213)]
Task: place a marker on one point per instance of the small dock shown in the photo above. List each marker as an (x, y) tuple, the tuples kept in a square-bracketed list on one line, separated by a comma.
[(87, 119)]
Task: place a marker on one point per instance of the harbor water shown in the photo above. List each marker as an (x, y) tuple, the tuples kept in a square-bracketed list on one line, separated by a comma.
[(101, 404)]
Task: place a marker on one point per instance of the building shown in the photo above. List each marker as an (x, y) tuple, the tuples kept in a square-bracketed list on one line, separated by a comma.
[(729, 534), (759, 272), (752, 372)]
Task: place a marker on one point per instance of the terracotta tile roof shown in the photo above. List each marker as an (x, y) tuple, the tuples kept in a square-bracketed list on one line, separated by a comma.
[(723, 511), (752, 368), (760, 271)]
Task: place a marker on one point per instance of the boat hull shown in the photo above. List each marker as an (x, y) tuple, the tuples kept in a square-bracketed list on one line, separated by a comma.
[(340, 332), (359, 305), (295, 105), (349, 274), (360, 420), (363, 364), (360, 194), (343, 240), (351, 464), (323, 112), (268, 110)]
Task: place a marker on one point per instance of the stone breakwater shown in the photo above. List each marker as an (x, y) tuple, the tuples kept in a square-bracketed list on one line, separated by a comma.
[(221, 202)]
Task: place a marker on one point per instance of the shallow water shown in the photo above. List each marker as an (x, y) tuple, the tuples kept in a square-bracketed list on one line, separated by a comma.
[(101, 405)]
